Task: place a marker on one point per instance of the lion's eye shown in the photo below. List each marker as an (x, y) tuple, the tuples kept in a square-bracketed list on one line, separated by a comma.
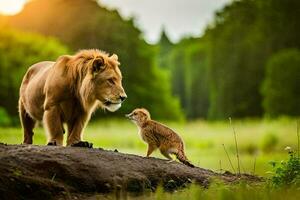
[(111, 81)]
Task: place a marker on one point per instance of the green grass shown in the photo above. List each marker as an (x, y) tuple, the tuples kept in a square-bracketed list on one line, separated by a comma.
[(263, 140), (216, 191), (203, 141), (240, 191)]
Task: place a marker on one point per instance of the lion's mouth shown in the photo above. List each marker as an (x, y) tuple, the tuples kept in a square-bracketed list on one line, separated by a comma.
[(112, 106), (109, 103)]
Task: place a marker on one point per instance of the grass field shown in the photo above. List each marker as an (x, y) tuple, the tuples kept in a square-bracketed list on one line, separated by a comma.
[(259, 141)]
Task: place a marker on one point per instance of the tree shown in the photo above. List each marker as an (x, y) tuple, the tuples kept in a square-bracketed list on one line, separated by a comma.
[(281, 85), (165, 46), (243, 36), (236, 57), (19, 50), (187, 65), (198, 93)]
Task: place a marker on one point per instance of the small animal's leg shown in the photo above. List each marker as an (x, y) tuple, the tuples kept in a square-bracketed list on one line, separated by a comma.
[(27, 123), (166, 154), (54, 126), (170, 161), (151, 148), (75, 128)]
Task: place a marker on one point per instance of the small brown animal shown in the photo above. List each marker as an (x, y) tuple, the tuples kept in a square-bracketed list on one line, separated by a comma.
[(68, 91), (158, 136)]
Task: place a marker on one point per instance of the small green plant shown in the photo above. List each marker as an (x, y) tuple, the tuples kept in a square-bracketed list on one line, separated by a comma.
[(228, 158), (17, 172), (287, 173), (236, 147)]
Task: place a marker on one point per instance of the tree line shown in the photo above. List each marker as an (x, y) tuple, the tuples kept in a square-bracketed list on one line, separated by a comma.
[(246, 64)]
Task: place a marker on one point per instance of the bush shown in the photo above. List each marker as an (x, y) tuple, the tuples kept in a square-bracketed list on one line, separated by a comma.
[(4, 118), (249, 148), (269, 142), (287, 173), (281, 85), (19, 50)]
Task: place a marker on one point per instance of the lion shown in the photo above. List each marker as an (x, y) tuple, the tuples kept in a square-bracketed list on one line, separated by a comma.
[(67, 92)]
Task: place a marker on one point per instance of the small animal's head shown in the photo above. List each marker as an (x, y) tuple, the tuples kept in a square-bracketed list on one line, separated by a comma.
[(139, 116)]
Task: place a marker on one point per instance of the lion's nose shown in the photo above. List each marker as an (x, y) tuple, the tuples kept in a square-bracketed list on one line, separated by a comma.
[(123, 97)]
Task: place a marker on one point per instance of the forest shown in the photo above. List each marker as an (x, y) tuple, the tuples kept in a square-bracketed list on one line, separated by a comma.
[(246, 64)]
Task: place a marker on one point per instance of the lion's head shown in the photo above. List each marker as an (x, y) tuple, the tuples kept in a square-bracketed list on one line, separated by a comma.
[(95, 78), (102, 79)]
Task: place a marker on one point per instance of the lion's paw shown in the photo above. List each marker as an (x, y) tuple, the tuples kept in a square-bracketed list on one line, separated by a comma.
[(83, 144)]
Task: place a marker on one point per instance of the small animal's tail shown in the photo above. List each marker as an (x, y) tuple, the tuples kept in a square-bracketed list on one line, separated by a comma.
[(182, 158)]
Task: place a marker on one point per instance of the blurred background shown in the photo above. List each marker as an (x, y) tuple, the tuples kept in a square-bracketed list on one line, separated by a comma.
[(192, 62)]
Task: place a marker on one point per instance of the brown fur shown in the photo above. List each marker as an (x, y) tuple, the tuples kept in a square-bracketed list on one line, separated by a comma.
[(68, 91), (157, 135)]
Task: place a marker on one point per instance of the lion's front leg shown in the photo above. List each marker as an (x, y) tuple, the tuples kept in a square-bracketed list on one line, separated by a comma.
[(53, 124), (75, 129)]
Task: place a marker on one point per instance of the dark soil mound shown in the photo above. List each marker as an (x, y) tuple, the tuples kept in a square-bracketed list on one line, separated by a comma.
[(46, 172)]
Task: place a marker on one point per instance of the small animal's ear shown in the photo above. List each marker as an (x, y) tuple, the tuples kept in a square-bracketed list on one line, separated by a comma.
[(98, 65), (115, 57)]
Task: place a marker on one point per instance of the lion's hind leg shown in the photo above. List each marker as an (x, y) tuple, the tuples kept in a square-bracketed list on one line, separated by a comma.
[(27, 122)]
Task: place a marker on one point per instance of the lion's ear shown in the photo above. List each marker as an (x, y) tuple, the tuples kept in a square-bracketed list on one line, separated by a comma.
[(98, 65), (57, 84), (115, 57)]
